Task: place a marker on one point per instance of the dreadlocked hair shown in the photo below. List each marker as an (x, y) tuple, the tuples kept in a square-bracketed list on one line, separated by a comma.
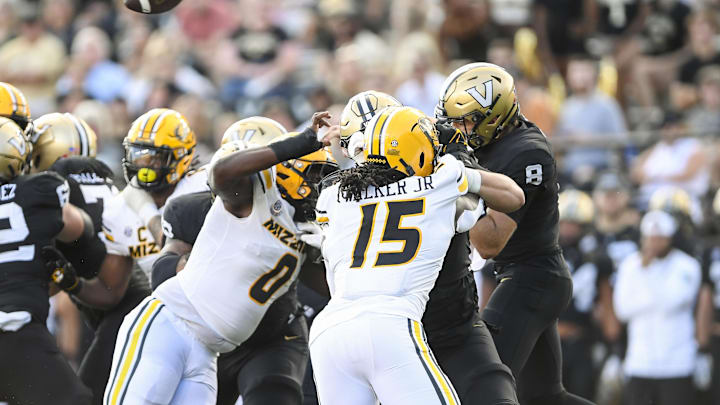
[(354, 181)]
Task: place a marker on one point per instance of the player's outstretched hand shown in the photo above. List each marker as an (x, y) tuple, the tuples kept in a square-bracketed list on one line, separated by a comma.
[(319, 120), (61, 270)]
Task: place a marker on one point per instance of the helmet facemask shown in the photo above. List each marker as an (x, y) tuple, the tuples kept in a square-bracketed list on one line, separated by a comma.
[(305, 193), (150, 165)]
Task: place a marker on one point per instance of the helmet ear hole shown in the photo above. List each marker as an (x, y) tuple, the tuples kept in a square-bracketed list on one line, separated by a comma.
[(422, 159)]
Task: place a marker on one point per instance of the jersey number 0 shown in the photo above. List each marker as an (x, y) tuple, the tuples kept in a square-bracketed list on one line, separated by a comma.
[(392, 232)]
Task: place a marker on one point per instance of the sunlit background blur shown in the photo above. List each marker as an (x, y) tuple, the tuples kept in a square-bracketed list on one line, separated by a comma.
[(628, 91)]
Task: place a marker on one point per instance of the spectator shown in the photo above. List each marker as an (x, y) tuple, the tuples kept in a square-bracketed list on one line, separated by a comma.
[(33, 61), (702, 29), (704, 119), (676, 160), (562, 26), (91, 68), (419, 62), (655, 293), (588, 117), (616, 223), (58, 17), (464, 33), (655, 55)]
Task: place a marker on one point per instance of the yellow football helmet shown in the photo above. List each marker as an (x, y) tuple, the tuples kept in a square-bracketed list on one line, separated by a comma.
[(14, 150), (14, 105), (257, 130), (576, 206), (159, 149), (56, 136), (672, 200), (482, 98), (298, 179), (403, 138), (360, 110)]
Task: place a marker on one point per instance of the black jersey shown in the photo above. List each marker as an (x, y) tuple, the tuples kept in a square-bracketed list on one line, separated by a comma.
[(621, 244), (90, 183), (450, 311), (30, 218), (589, 265), (525, 155), (182, 219), (711, 276)]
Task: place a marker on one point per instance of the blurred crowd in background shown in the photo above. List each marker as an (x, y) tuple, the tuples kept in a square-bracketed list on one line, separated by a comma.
[(628, 91)]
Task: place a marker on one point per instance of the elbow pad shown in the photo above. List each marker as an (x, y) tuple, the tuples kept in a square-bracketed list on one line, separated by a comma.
[(164, 268)]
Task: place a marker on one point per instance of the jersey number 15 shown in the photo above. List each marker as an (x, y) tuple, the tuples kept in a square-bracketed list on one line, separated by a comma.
[(392, 232)]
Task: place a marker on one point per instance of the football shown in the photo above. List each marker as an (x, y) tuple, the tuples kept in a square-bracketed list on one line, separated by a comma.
[(151, 6)]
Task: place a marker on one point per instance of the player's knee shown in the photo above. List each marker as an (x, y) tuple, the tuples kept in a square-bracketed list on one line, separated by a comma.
[(492, 384), (274, 390)]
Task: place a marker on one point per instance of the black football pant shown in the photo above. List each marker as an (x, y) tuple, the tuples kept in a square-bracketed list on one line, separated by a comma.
[(271, 373), (95, 368), (475, 369), (665, 391), (522, 317), (579, 374), (34, 372)]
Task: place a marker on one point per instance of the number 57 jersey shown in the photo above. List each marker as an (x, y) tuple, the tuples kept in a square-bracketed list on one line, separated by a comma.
[(383, 253), (237, 268)]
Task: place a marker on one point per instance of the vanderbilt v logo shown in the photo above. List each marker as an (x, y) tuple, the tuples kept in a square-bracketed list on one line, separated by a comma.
[(20, 146), (485, 100)]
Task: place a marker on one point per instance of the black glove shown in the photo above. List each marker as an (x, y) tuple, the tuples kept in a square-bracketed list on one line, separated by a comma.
[(61, 270), (454, 142)]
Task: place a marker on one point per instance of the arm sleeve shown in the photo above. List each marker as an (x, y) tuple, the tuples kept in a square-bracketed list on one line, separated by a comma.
[(534, 171)]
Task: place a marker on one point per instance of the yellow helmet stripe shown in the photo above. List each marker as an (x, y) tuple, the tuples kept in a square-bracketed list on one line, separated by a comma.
[(13, 98), (24, 102), (375, 139), (383, 131), (82, 134), (141, 127), (158, 122)]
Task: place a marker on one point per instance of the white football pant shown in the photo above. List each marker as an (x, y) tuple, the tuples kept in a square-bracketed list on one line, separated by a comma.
[(157, 361), (378, 358)]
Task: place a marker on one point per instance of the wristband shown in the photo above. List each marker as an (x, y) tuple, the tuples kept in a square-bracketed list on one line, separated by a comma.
[(296, 146)]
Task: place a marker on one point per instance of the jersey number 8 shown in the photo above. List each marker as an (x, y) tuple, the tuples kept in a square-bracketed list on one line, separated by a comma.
[(392, 232)]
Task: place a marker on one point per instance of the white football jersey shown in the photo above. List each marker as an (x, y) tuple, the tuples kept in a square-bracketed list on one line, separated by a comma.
[(383, 253), (238, 266), (125, 234)]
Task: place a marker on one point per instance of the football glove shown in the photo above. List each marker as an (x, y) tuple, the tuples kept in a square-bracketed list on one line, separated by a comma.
[(454, 142), (61, 270), (450, 137)]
